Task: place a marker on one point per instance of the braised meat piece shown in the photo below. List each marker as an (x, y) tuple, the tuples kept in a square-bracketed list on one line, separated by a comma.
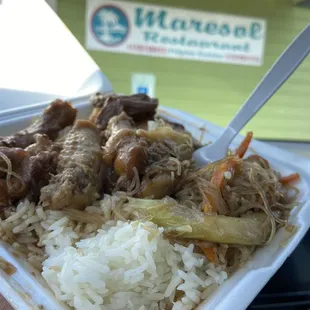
[(124, 154), (158, 187), (139, 107), (13, 162), (119, 122), (58, 115), (124, 149), (129, 156), (102, 116), (38, 172), (4, 195), (43, 144), (16, 156), (41, 165), (109, 179), (78, 171), (147, 162), (28, 173)]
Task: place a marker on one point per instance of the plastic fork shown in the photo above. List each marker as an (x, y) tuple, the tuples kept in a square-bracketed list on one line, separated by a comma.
[(281, 70)]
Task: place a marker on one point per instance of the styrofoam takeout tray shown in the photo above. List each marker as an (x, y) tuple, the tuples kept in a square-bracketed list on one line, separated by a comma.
[(26, 289)]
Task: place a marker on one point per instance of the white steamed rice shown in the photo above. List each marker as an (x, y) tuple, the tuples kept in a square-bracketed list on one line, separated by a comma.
[(129, 266)]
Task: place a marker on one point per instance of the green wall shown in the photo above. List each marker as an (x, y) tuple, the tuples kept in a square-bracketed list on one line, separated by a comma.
[(215, 91)]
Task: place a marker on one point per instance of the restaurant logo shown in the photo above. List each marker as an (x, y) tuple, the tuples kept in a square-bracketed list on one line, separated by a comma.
[(110, 25)]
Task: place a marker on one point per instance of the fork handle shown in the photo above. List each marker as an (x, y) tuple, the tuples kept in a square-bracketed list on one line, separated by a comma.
[(281, 70)]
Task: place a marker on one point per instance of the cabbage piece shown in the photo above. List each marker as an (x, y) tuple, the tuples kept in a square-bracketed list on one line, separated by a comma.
[(181, 221)]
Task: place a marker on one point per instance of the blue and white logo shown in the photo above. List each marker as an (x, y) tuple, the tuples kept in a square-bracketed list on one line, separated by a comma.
[(110, 25)]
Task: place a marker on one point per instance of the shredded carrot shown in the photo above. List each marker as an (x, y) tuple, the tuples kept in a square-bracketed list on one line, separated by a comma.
[(243, 147), (218, 175), (209, 252), (229, 166), (290, 178), (217, 179)]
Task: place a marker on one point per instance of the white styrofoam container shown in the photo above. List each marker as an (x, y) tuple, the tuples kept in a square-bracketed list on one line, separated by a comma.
[(26, 289), (60, 68)]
